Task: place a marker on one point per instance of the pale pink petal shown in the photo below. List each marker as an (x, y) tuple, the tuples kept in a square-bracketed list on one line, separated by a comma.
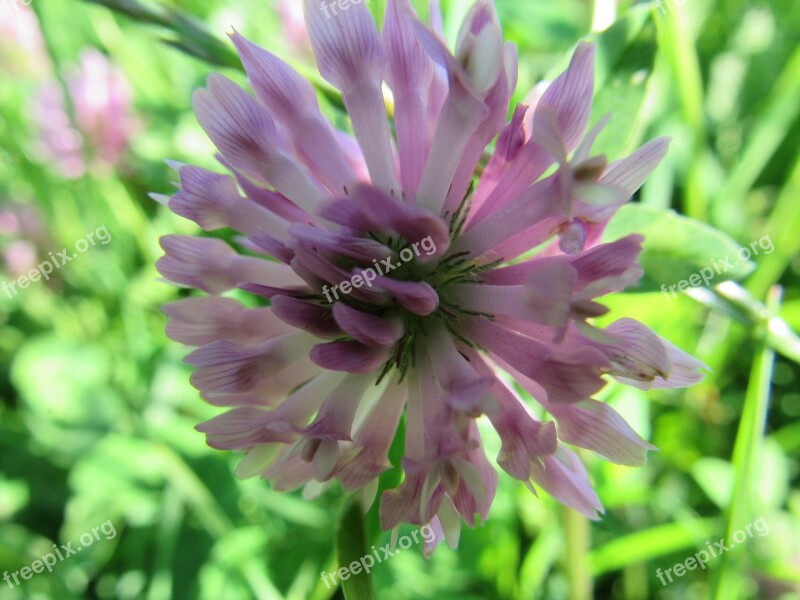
[(199, 321), (211, 265), (335, 418), (596, 426), (409, 75), (225, 367), (351, 57), (564, 477)]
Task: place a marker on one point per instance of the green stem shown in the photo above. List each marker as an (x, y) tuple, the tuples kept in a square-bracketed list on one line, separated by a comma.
[(747, 455), (576, 556), (351, 547)]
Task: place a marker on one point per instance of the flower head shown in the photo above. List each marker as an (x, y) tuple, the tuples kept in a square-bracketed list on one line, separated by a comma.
[(401, 282)]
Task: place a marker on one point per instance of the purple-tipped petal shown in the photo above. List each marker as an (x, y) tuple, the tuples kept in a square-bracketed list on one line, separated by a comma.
[(368, 209), (247, 137), (292, 101), (212, 201), (306, 316), (417, 296), (352, 357), (351, 57), (368, 329), (409, 75)]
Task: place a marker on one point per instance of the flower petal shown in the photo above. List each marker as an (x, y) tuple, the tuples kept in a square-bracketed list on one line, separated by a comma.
[(212, 201), (247, 137), (213, 266), (409, 75), (368, 329), (352, 357), (596, 426), (292, 101), (564, 477), (199, 321), (306, 316), (351, 57)]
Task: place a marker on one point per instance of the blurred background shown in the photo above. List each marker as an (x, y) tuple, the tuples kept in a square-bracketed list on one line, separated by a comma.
[(96, 412)]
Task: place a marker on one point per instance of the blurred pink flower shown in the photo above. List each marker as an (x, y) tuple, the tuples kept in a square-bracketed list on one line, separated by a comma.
[(103, 100), (104, 120), (22, 236), (294, 26), (438, 293), (22, 50), (58, 141), (19, 257)]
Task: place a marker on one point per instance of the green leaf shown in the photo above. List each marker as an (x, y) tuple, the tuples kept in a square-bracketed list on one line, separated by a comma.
[(351, 546), (715, 477), (676, 248), (650, 544), (59, 416), (625, 58)]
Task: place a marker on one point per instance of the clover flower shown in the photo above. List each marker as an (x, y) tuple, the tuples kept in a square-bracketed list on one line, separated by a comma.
[(104, 122), (406, 283)]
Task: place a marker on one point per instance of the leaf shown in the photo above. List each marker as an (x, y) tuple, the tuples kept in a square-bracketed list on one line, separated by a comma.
[(677, 248), (715, 477), (625, 58), (54, 378), (774, 475), (351, 546), (651, 543)]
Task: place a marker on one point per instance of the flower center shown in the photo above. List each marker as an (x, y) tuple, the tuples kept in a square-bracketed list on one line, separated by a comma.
[(408, 266)]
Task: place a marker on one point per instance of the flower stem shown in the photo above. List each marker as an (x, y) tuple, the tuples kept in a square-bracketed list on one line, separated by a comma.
[(577, 534), (747, 454), (351, 546)]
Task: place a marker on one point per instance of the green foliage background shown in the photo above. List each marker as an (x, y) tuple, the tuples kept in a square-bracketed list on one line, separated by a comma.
[(97, 414)]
